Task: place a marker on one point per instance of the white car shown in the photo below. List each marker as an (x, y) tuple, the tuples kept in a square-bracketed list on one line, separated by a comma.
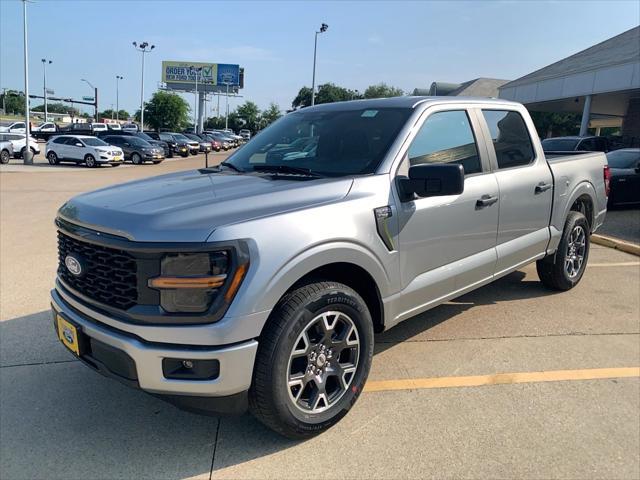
[(19, 140), (99, 127), (82, 149), (15, 127), (45, 127), (114, 126), (130, 127)]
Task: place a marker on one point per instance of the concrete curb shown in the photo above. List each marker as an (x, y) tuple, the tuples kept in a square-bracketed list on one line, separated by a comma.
[(628, 247)]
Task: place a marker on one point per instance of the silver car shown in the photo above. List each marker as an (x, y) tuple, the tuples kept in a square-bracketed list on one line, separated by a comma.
[(260, 283)]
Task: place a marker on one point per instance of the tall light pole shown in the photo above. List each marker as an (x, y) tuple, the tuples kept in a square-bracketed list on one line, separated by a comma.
[(226, 116), (195, 103), (143, 49), (118, 78), (323, 28), (27, 158), (44, 65), (95, 93)]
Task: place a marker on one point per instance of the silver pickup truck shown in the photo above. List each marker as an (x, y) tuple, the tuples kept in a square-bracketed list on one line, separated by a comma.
[(260, 283)]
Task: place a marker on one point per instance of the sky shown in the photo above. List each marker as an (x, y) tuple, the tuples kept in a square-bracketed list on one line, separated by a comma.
[(404, 44)]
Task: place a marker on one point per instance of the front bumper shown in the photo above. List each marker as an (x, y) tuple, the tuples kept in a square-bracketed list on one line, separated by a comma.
[(235, 361)]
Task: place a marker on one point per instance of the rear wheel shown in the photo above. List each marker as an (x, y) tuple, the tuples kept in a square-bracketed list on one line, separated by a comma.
[(90, 161), (136, 158), (52, 158), (313, 359), (4, 157), (564, 269)]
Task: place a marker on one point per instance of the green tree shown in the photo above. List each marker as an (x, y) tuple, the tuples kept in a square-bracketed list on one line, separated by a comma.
[(303, 99), (549, 124), (13, 100), (166, 110), (327, 93), (270, 115), (250, 113), (382, 90), (109, 113), (57, 107)]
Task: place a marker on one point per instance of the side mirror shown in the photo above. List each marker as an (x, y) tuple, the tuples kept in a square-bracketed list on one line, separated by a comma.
[(79, 144), (432, 180)]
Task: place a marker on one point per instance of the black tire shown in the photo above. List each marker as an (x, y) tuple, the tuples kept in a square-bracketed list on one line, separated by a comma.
[(271, 396), (136, 159), (170, 155), (116, 164), (52, 158), (184, 155), (559, 271), (5, 157), (90, 161), (156, 162)]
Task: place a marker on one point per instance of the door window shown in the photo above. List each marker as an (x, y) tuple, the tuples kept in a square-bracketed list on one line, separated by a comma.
[(446, 137), (60, 140), (510, 138)]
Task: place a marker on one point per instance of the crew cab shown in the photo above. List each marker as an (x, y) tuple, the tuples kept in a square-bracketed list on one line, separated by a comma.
[(259, 283)]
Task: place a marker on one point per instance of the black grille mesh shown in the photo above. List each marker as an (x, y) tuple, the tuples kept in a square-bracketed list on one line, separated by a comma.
[(109, 276)]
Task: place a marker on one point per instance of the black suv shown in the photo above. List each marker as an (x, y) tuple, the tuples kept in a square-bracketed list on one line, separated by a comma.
[(177, 147), (136, 149), (168, 153)]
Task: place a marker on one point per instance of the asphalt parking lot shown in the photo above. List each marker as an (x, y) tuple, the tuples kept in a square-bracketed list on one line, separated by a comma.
[(509, 381)]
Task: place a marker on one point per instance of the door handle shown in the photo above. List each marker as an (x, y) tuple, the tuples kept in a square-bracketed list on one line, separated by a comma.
[(543, 187), (485, 201)]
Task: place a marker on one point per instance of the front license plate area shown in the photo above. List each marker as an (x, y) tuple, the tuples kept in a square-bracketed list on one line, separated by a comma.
[(70, 335)]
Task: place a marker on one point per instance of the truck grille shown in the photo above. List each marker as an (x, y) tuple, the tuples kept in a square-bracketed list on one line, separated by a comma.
[(109, 275)]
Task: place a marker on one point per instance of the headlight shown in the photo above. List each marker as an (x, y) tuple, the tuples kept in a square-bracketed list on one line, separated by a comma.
[(199, 282)]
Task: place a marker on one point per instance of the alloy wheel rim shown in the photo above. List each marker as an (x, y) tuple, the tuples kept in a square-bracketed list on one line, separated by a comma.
[(576, 249), (323, 362)]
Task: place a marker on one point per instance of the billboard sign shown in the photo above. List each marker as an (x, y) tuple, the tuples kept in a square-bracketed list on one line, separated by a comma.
[(210, 76)]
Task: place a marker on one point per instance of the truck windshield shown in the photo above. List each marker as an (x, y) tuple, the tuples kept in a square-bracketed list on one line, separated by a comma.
[(331, 143)]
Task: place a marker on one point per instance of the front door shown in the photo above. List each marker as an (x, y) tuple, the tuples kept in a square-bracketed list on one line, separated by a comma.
[(447, 243)]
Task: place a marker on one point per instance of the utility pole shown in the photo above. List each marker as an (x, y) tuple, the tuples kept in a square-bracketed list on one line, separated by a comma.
[(27, 158), (226, 117), (323, 28), (44, 66)]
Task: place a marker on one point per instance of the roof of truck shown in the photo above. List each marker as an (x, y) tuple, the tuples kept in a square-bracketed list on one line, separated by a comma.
[(402, 102)]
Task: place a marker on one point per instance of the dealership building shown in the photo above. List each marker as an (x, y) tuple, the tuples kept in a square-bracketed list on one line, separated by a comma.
[(602, 83)]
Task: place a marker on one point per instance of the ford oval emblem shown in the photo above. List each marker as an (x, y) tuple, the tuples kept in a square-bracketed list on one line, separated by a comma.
[(73, 265)]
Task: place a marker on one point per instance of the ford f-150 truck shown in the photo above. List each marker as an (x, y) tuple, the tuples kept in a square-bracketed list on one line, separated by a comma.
[(259, 283)]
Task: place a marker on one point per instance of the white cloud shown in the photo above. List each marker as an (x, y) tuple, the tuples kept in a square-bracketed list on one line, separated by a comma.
[(375, 40)]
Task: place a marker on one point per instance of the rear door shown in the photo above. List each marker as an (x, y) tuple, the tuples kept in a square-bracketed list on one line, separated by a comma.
[(447, 243), (74, 149), (526, 188)]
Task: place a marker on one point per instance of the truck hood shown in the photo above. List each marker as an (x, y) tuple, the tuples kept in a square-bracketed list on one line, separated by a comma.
[(189, 206)]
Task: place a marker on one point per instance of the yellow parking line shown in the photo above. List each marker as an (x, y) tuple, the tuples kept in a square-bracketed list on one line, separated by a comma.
[(618, 264), (501, 379)]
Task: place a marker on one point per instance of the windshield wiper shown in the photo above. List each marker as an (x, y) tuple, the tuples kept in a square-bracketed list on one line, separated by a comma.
[(286, 169)]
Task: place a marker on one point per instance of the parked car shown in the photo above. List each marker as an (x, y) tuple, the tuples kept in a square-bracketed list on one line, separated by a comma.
[(575, 144), (225, 138), (14, 127), (77, 129), (204, 145), (114, 126), (245, 134), (86, 149), (136, 149), (19, 142), (98, 127), (216, 144), (177, 147), (625, 176), (6, 152), (45, 127), (192, 145), (145, 136), (261, 284), (130, 127)]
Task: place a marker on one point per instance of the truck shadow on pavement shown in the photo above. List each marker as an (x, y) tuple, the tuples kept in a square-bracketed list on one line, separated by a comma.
[(49, 399)]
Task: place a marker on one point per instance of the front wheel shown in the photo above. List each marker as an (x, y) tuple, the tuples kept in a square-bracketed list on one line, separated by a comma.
[(90, 161), (313, 359), (136, 159), (564, 269), (4, 157), (52, 158)]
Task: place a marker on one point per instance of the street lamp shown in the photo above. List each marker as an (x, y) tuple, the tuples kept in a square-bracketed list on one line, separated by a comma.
[(44, 66), (143, 49), (118, 78), (195, 103), (95, 98), (323, 28)]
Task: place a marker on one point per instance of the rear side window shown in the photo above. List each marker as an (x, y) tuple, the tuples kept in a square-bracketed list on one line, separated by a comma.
[(446, 137), (60, 140), (510, 138)]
